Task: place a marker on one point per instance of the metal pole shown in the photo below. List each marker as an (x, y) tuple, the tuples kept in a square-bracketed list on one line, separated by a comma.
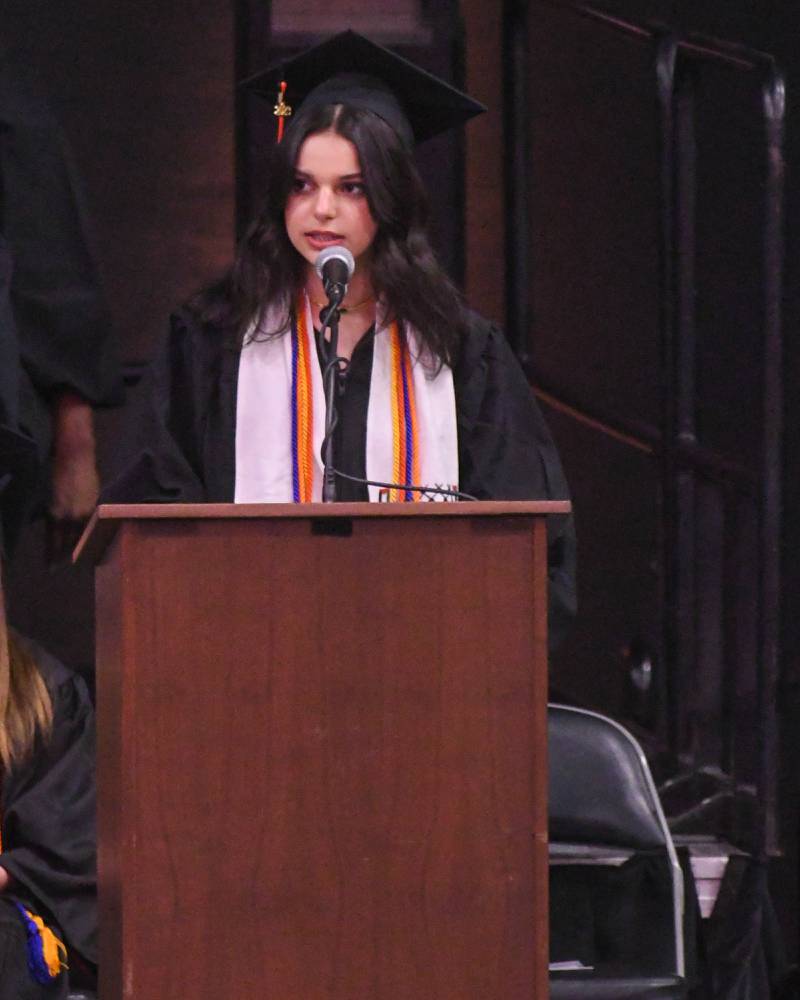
[(774, 108), (669, 694), (518, 311)]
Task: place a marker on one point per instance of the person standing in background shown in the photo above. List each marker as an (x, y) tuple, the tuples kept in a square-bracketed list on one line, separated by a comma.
[(68, 358)]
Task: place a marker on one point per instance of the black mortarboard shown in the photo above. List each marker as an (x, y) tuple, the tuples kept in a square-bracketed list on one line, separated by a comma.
[(350, 69)]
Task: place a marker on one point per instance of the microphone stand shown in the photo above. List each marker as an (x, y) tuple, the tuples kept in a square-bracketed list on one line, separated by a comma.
[(329, 319)]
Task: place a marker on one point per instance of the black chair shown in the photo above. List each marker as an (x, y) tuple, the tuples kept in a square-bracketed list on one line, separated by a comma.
[(616, 911)]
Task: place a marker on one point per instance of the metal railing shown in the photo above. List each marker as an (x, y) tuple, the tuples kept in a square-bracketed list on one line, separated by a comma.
[(687, 467)]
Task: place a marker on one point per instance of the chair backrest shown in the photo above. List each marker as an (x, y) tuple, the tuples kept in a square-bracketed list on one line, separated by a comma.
[(602, 793)]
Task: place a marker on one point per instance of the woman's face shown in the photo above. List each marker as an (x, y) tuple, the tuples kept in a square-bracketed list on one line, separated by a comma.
[(328, 205)]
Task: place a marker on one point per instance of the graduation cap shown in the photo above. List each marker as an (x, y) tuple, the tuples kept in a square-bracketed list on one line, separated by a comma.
[(350, 69)]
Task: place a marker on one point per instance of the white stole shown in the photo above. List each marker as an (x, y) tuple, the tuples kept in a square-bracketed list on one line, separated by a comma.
[(264, 418)]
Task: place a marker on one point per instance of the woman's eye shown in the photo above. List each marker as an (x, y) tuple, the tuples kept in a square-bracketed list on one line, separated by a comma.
[(354, 188), (300, 184)]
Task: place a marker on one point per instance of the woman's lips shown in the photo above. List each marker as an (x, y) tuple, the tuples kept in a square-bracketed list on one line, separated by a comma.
[(319, 239)]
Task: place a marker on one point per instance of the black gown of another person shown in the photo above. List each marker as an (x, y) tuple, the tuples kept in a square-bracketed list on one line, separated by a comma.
[(47, 801), (18, 450), (61, 317), (186, 435), (47, 808)]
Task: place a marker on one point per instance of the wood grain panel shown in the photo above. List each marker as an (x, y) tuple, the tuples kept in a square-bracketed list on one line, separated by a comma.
[(334, 758), (110, 644)]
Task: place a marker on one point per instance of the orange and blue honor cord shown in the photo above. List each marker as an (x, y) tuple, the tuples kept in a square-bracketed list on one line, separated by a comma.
[(302, 408), (46, 953), (405, 440)]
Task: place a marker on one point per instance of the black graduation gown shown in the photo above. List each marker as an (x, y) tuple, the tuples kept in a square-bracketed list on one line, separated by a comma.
[(9, 346), (186, 435), (18, 451), (48, 815), (61, 318)]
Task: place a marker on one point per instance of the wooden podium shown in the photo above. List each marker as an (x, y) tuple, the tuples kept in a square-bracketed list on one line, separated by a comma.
[(322, 765)]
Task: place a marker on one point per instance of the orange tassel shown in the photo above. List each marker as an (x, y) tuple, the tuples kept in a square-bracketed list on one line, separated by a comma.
[(282, 110)]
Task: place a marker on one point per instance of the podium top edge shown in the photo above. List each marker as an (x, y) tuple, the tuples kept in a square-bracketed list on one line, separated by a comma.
[(106, 517), (468, 508)]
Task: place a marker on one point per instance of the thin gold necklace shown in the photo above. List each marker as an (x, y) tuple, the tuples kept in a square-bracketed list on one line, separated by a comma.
[(346, 309)]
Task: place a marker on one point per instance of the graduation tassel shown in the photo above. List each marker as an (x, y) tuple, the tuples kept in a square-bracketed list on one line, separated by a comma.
[(282, 109), (45, 951)]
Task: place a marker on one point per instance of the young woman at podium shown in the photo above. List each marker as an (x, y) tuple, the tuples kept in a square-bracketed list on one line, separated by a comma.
[(428, 393)]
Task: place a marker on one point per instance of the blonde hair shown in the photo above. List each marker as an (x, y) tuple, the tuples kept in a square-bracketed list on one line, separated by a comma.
[(25, 706)]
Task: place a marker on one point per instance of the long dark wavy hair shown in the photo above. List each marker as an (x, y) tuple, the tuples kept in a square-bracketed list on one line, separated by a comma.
[(268, 272)]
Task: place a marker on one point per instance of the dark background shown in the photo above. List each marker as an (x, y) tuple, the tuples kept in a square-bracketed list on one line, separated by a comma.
[(595, 345), (169, 155)]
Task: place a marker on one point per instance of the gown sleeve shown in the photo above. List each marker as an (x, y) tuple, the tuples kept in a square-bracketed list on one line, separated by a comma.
[(48, 811), (168, 426), (506, 452)]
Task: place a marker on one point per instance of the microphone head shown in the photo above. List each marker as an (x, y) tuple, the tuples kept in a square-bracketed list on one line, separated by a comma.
[(335, 253)]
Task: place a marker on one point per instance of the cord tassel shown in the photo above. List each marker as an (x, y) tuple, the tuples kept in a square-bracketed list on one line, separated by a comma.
[(46, 953)]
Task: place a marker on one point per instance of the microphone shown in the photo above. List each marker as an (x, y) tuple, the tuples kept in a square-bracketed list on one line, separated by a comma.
[(335, 266)]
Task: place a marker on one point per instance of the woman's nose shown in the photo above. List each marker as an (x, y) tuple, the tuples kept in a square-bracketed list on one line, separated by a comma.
[(325, 205)]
